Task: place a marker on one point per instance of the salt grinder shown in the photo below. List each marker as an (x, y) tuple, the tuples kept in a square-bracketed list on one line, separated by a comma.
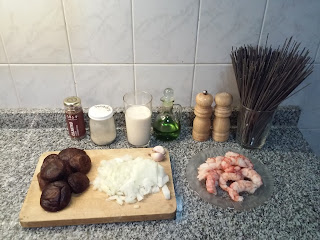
[(222, 112), (202, 121)]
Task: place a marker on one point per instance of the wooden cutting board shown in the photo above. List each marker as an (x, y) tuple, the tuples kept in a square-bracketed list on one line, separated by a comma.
[(91, 206)]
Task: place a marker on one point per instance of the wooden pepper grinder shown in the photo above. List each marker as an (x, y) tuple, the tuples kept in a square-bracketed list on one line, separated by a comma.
[(222, 112), (202, 121)]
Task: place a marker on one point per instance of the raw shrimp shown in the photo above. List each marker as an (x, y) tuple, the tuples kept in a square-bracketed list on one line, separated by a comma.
[(240, 186), (205, 168), (253, 176), (232, 169), (211, 160), (212, 182), (216, 160), (225, 177), (230, 165), (209, 165), (238, 159), (234, 195), (202, 175), (219, 159)]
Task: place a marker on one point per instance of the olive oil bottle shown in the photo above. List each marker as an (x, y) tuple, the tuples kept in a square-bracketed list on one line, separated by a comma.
[(166, 126)]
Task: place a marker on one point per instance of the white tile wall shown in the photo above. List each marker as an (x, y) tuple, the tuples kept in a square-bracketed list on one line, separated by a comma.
[(8, 97), (310, 114), (43, 86), (97, 84), (165, 31), (3, 57), (34, 31), (215, 78), (99, 31), (99, 49), (224, 24), (155, 78), (300, 19), (318, 55)]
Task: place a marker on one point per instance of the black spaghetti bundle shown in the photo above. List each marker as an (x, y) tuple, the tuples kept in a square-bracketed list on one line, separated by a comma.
[(265, 77)]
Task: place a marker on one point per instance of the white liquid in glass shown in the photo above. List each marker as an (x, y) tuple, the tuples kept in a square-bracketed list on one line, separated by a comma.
[(138, 123)]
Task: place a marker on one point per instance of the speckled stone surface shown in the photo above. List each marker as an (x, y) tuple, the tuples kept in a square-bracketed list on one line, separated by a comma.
[(55, 118), (291, 213)]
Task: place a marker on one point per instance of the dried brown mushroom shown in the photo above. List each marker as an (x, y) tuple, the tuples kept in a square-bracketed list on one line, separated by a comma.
[(68, 153), (54, 170), (55, 196), (80, 163), (78, 182)]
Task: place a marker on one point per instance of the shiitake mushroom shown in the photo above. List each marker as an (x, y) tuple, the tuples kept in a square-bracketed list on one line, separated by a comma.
[(55, 196), (60, 175), (77, 159), (80, 163), (78, 182), (42, 182), (68, 153), (49, 159), (54, 170)]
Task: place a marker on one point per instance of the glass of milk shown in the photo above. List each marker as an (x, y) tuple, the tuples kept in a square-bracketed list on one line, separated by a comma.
[(138, 110)]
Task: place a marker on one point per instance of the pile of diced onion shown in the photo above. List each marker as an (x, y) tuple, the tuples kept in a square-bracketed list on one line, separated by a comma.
[(129, 180)]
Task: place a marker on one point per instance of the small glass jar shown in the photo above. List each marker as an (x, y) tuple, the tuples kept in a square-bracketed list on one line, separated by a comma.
[(102, 126), (74, 117)]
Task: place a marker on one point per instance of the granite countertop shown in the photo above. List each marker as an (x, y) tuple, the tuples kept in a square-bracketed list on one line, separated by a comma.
[(292, 212)]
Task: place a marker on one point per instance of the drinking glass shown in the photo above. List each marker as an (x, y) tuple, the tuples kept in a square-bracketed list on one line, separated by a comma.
[(253, 127), (138, 111)]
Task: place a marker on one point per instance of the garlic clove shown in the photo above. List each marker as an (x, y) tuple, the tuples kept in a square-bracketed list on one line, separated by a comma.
[(159, 149), (158, 157)]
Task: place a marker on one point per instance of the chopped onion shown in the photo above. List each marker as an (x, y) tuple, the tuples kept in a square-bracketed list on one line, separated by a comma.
[(166, 192), (165, 179), (129, 180)]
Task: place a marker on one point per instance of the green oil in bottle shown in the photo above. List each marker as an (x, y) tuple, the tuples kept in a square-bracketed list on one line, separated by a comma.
[(166, 126), (166, 129)]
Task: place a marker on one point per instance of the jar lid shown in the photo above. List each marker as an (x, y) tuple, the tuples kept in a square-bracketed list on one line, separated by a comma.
[(100, 112), (72, 101)]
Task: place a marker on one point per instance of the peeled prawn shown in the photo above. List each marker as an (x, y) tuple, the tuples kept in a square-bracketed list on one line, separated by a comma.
[(240, 186), (212, 182), (225, 177), (234, 195), (231, 167), (210, 165), (238, 159), (211, 160), (205, 168), (252, 175)]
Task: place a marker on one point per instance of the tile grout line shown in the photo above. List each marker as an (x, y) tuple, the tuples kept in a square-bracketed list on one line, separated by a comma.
[(195, 52), (69, 48), (124, 64), (133, 49), (263, 21), (10, 72)]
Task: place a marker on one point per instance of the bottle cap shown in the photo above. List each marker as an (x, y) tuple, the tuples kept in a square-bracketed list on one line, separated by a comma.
[(72, 101), (100, 112), (168, 97)]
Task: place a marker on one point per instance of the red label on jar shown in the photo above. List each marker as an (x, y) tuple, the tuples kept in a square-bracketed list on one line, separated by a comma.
[(76, 125)]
